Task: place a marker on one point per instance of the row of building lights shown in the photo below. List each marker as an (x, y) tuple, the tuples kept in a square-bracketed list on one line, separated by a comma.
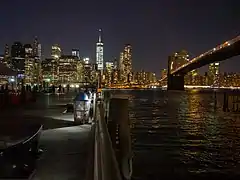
[(72, 69)]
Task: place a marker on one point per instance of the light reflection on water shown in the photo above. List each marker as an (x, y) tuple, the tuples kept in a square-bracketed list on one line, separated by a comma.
[(183, 133)]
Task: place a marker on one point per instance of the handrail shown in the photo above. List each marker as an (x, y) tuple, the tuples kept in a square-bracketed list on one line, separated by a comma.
[(105, 162), (24, 140), (22, 153)]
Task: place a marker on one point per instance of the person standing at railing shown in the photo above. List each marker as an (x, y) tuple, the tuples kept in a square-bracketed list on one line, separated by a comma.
[(59, 89), (2, 96), (23, 94), (2, 89), (53, 89), (34, 94), (6, 95), (68, 87)]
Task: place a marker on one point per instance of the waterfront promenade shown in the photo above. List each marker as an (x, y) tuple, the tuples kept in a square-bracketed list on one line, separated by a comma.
[(64, 145), (65, 153)]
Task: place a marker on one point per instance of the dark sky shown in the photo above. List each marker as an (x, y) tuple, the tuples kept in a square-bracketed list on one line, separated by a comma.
[(155, 28)]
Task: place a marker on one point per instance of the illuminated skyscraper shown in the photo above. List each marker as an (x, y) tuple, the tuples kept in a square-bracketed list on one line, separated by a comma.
[(47, 74), (214, 68), (2, 58), (89, 71), (194, 75), (56, 51), (115, 64), (68, 69), (121, 61), (6, 51), (127, 63), (76, 52), (99, 53), (121, 66), (143, 77), (6, 58), (151, 77), (56, 54), (39, 54), (191, 78), (213, 74), (80, 71), (29, 64), (109, 72), (86, 61), (17, 50), (109, 66), (18, 57), (115, 76), (35, 47)]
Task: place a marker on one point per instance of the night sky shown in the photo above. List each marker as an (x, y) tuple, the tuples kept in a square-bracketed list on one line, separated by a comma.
[(155, 28)]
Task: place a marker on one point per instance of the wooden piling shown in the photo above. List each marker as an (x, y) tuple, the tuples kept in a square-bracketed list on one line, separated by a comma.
[(119, 126), (225, 102)]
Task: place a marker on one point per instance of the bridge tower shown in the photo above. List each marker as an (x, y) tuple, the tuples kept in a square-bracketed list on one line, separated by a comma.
[(175, 81)]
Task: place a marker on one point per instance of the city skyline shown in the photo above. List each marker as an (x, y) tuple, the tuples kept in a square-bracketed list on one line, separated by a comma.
[(152, 42)]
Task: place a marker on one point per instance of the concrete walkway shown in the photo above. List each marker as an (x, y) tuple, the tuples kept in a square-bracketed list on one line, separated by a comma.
[(47, 110), (51, 106), (65, 154), (65, 146)]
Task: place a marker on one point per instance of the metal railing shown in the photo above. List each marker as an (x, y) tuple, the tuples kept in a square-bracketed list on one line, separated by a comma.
[(105, 162), (18, 159)]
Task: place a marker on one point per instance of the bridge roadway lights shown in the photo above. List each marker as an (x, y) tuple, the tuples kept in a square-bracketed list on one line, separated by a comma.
[(175, 82)]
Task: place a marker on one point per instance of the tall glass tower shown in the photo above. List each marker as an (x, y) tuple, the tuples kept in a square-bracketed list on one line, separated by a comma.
[(127, 62), (99, 53), (213, 74)]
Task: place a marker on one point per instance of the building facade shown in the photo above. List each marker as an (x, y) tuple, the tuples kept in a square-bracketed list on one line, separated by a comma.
[(6, 57), (109, 73), (67, 68), (126, 64), (56, 51), (213, 74), (35, 47), (99, 53), (17, 61), (47, 71), (76, 52), (29, 73)]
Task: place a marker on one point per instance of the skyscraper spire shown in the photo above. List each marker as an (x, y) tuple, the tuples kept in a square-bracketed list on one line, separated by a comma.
[(99, 52), (100, 36), (35, 46)]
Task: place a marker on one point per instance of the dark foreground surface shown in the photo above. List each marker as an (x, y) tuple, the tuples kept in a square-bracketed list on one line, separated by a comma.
[(183, 135), (65, 154), (64, 145)]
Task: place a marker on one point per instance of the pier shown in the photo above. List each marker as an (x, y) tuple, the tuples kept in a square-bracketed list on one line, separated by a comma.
[(99, 150)]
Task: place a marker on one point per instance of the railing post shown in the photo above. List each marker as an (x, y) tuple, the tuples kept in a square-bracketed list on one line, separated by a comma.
[(106, 97), (112, 123), (106, 166), (118, 119)]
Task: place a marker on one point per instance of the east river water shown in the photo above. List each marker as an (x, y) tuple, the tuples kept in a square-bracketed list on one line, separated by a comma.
[(183, 134)]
